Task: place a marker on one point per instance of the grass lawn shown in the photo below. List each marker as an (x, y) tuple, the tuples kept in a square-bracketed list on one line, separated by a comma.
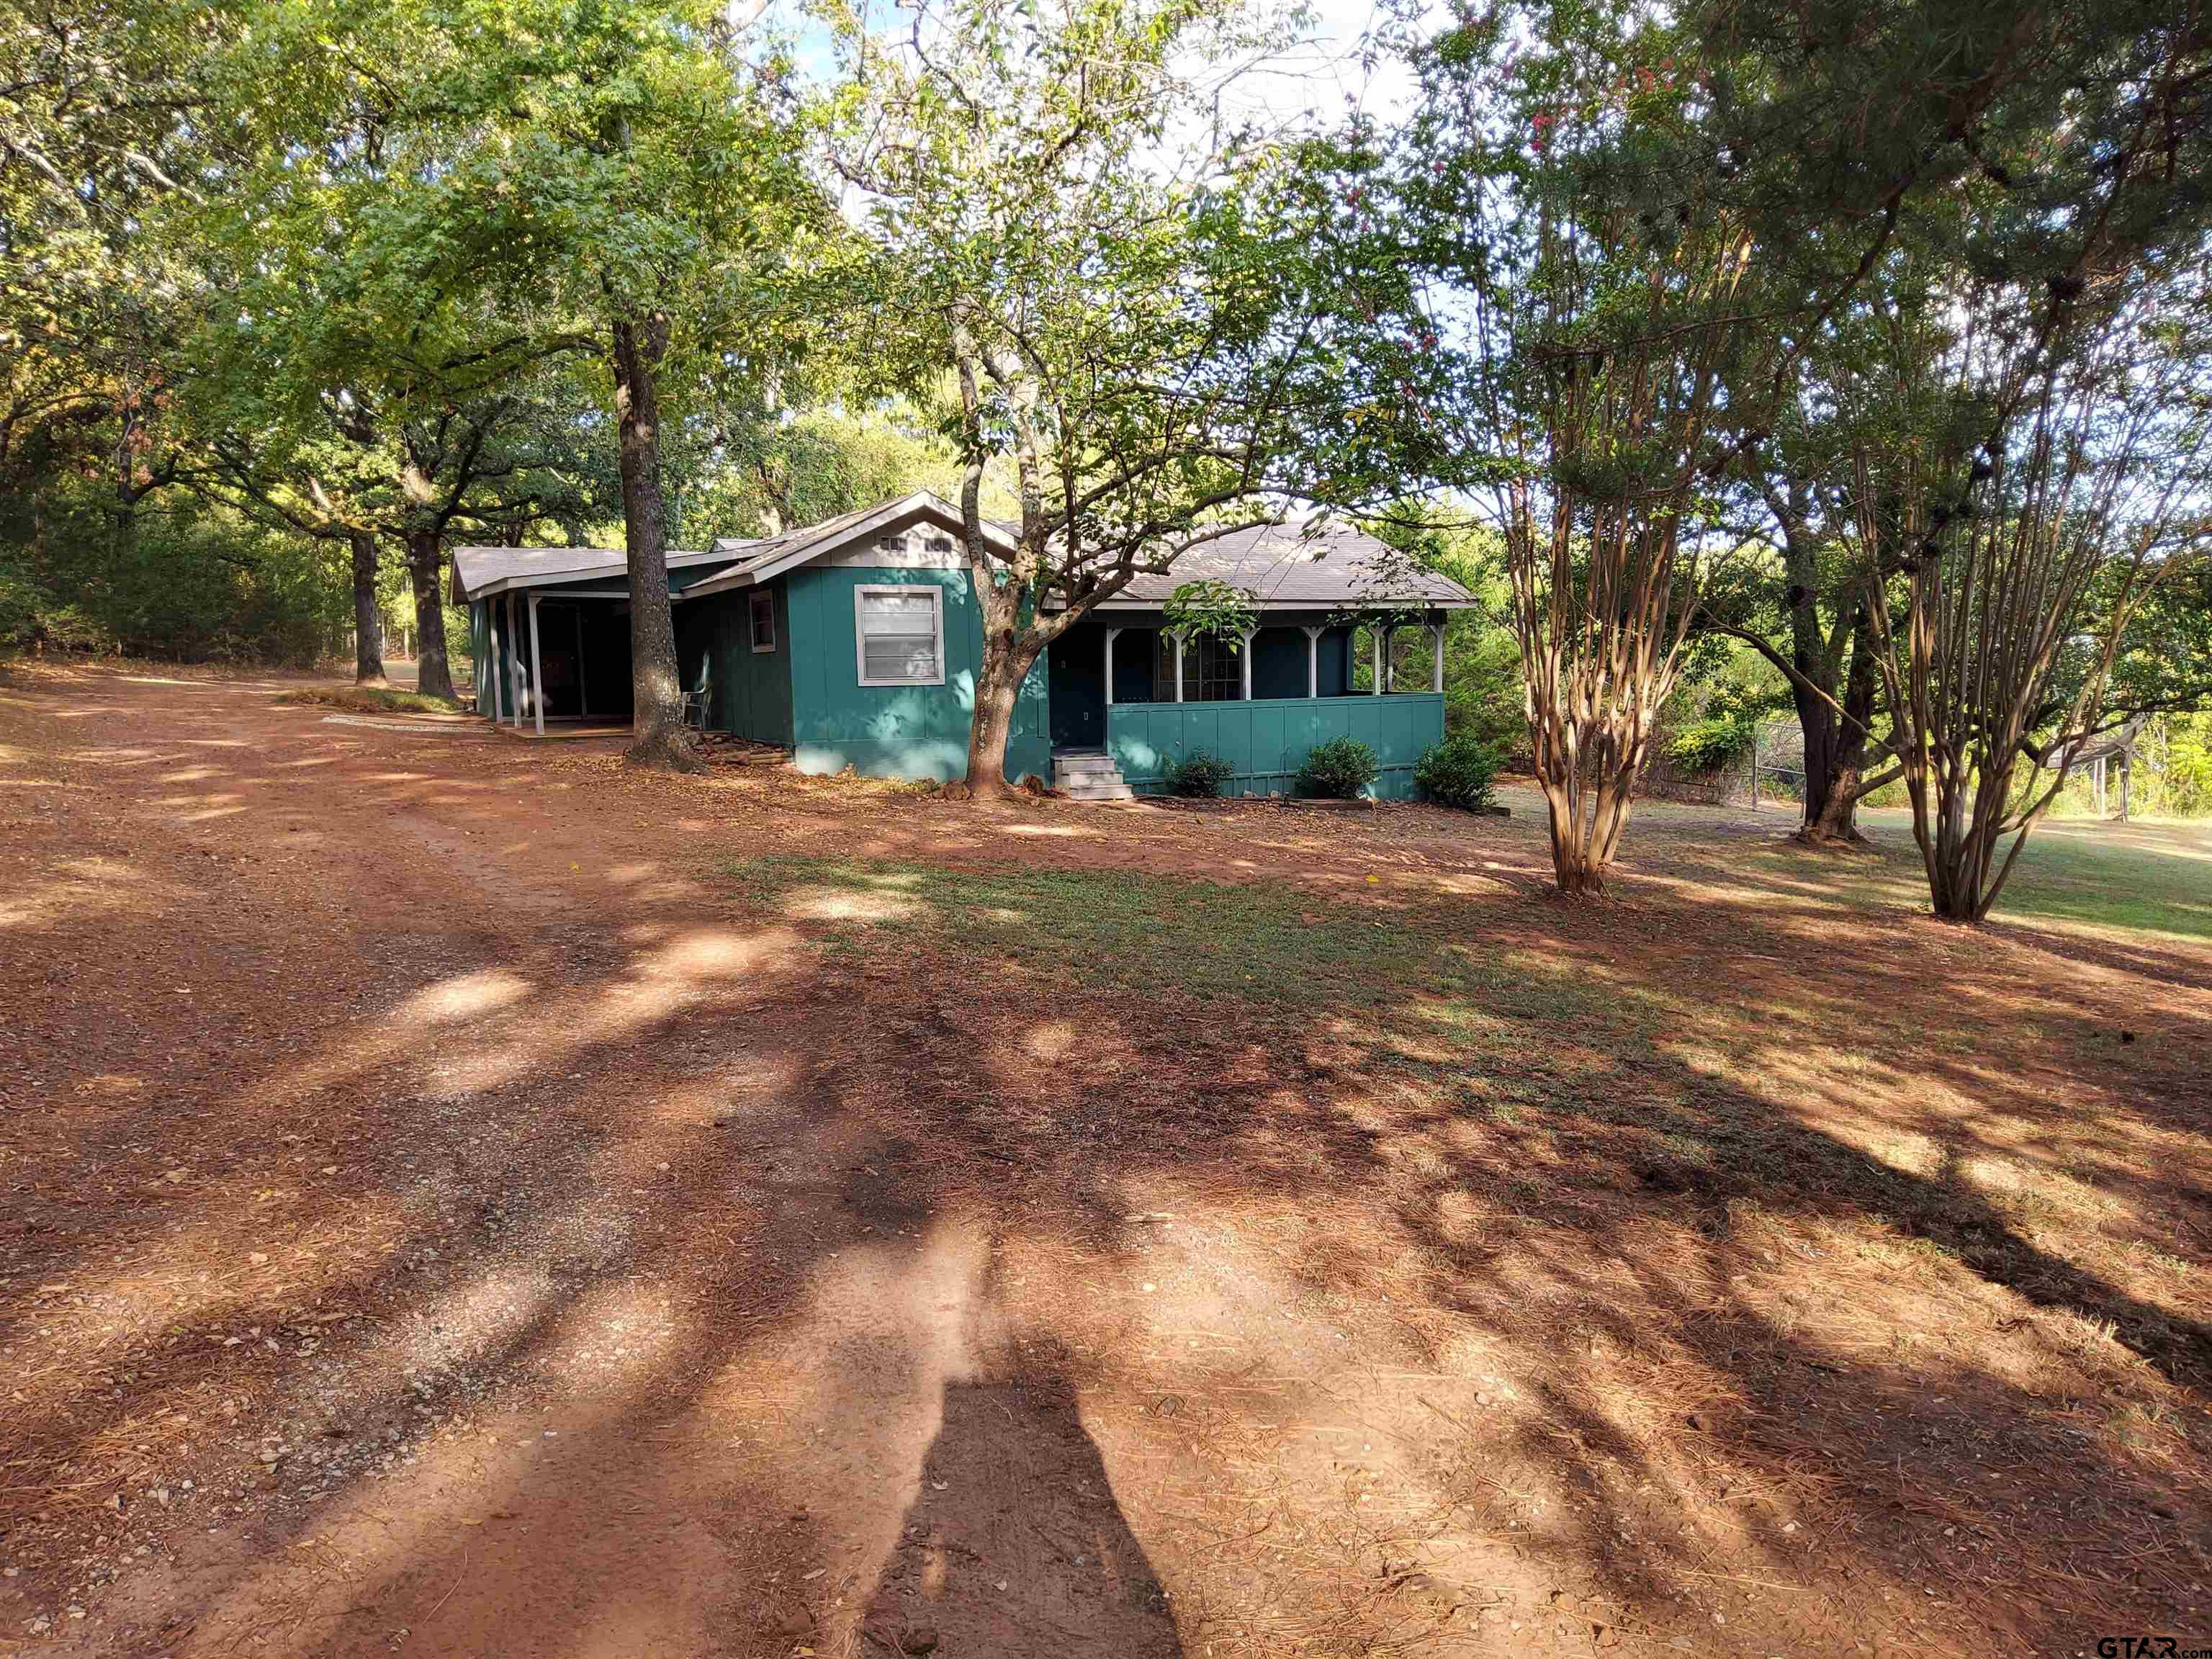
[(2153, 875)]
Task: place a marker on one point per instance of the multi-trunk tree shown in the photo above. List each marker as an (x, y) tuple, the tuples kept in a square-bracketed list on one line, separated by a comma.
[(2005, 551), (1610, 295)]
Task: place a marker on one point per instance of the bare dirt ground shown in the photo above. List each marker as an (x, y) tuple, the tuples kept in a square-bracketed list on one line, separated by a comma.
[(463, 1198)]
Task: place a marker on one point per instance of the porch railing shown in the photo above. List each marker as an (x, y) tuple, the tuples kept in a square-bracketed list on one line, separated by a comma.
[(1266, 741)]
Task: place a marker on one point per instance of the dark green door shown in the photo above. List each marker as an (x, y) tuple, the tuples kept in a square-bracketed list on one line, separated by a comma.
[(1076, 681)]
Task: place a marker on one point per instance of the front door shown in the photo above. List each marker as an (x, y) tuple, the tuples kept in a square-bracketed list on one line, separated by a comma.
[(1075, 680)]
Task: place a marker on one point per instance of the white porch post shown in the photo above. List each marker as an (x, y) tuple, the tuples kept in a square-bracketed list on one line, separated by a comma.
[(1245, 652), (493, 670), (1111, 634), (1176, 636), (1375, 636), (536, 679), (1436, 668), (1313, 660)]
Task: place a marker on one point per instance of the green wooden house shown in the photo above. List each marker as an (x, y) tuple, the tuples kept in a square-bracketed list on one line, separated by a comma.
[(855, 643)]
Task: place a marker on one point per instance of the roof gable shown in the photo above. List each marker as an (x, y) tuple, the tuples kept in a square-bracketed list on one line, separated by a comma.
[(766, 559)]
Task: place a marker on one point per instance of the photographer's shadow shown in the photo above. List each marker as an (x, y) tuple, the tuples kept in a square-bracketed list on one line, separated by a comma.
[(1014, 1544)]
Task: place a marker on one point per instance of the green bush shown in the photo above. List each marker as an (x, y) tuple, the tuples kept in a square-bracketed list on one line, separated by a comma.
[(1714, 741), (1199, 775), (1340, 769), (1457, 772)]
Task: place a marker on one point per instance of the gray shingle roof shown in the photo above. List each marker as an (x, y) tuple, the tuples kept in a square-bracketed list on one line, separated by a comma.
[(1284, 567), (1280, 566)]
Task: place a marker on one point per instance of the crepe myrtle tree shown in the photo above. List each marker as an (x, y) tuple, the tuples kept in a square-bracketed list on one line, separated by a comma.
[(2002, 573), (1164, 330), (1611, 297)]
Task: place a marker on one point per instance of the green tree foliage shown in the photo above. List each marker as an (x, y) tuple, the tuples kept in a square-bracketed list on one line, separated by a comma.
[(620, 183), (1162, 328), (2040, 151), (1686, 246), (748, 470)]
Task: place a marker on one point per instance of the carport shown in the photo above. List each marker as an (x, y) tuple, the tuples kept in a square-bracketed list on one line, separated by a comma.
[(550, 629)]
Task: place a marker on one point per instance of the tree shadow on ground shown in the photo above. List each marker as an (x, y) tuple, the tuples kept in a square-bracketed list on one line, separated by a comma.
[(1633, 1237)]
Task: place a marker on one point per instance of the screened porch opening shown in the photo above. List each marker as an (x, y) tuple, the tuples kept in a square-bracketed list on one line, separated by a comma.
[(561, 661), (1213, 670)]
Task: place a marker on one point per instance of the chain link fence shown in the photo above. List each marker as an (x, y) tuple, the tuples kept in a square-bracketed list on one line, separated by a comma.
[(1771, 771)]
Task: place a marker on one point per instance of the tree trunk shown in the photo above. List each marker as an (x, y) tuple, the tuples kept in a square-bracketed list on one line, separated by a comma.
[(425, 568), (1571, 865), (1833, 817), (997, 688), (367, 621), (1010, 651), (658, 735), (122, 516), (1836, 744)]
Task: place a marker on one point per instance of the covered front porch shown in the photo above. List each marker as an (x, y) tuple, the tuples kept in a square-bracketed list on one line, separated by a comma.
[(1130, 687)]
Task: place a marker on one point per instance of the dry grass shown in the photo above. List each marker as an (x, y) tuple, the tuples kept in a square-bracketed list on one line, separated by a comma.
[(373, 700)]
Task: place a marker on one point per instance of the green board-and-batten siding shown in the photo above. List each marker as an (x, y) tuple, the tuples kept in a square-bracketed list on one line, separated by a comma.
[(894, 731), (748, 691), (480, 653), (1266, 741)]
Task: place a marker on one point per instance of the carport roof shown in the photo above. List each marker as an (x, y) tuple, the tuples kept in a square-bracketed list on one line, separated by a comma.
[(481, 572)]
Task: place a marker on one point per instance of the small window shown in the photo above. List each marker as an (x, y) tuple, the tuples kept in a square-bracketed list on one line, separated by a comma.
[(763, 621), (891, 543), (901, 634), (939, 543)]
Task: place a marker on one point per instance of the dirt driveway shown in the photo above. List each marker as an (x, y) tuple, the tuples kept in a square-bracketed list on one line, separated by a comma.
[(462, 1198)]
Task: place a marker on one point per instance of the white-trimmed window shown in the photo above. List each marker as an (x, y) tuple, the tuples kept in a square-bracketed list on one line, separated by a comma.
[(763, 617), (939, 544), (891, 543), (900, 635)]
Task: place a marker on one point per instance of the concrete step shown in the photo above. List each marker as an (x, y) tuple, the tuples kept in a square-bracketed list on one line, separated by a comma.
[(1072, 765), (1114, 791)]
